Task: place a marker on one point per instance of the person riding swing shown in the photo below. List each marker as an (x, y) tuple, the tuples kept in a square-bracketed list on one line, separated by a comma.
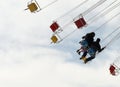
[(86, 42), (92, 50)]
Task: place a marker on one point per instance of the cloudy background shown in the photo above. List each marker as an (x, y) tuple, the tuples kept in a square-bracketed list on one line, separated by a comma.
[(27, 59)]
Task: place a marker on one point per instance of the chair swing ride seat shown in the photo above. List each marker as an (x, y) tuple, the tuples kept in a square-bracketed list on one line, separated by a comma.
[(33, 6)]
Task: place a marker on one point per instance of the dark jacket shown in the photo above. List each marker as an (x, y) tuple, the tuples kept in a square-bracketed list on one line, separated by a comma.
[(89, 38), (96, 46)]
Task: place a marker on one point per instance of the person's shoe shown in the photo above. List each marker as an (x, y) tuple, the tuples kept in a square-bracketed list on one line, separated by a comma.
[(79, 53), (82, 58), (85, 61)]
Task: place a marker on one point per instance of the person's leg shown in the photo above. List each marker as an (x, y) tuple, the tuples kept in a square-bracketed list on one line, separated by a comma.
[(79, 51), (84, 54), (89, 59)]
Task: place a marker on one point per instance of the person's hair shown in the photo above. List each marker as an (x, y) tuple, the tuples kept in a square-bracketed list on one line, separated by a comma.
[(98, 40), (93, 34)]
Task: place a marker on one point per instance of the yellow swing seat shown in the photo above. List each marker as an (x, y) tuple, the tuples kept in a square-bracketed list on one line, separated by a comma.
[(54, 39), (33, 6)]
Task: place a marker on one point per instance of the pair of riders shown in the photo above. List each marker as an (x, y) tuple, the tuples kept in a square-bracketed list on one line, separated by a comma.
[(86, 42), (88, 45)]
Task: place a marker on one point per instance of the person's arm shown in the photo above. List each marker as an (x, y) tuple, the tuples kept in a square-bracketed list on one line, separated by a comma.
[(83, 37), (101, 49)]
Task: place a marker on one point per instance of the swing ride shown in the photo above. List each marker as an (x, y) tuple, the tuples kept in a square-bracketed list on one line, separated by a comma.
[(79, 21), (34, 7)]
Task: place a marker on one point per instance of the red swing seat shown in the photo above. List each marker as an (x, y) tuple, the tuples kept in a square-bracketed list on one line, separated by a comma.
[(54, 26), (80, 23), (114, 70)]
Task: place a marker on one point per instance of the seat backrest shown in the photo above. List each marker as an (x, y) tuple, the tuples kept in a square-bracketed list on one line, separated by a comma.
[(54, 39), (112, 70), (80, 23), (32, 7), (54, 26)]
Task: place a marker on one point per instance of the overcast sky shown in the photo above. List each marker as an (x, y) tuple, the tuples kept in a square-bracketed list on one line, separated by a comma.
[(27, 59)]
